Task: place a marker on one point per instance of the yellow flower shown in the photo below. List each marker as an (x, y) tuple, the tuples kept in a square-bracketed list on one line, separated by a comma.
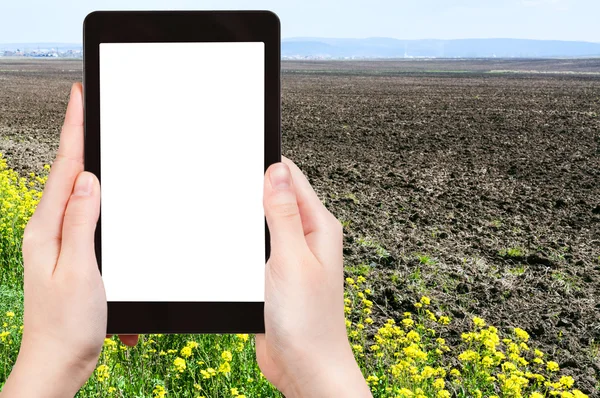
[(439, 384), (455, 372), (225, 367), (350, 281), (226, 356), (552, 366), (418, 305), (468, 355), (431, 315), (427, 372), (234, 391), (110, 344), (159, 391), (425, 300), (102, 373), (10, 314), (538, 353), (444, 320), (186, 352), (197, 387), (443, 394), (567, 381), (192, 344), (405, 393), (579, 394), (372, 379), (521, 334), (205, 374), (111, 390), (368, 321), (179, 364), (479, 322), (487, 362)]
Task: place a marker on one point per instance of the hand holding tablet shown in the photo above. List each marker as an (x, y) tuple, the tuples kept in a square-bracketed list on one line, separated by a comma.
[(304, 350)]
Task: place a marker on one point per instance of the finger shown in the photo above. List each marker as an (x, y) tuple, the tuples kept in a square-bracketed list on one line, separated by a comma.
[(81, 215), (41, 244), (322, 230), (281, 211), (129, 339)]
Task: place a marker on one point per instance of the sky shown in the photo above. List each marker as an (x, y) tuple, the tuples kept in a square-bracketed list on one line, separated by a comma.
[(34, 21)]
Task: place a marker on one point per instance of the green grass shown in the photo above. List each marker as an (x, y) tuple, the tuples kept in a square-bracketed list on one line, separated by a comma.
[(380, 251), (512, 252), (425, 259)]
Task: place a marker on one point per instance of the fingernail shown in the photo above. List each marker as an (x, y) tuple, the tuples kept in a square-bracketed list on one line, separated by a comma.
[(83, 185), (280, 176)]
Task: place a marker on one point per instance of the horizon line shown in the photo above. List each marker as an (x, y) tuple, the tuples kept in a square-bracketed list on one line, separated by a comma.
[(346, 38)]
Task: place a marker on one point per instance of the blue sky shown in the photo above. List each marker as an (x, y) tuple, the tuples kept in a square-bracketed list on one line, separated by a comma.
[(61, 20)]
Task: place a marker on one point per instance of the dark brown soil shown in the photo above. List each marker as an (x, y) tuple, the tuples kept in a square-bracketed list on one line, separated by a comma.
[(481, 190)]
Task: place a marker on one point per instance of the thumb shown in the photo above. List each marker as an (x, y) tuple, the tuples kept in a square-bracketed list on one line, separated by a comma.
[(282, 212), (79, 223)]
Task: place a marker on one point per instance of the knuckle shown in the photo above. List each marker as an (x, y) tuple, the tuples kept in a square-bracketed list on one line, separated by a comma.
[(29, 235), (285, 210), (75, 215), (282, 206)]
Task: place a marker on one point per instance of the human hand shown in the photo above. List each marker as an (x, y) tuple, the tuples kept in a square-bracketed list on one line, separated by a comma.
[(305, 350), (64, 322)]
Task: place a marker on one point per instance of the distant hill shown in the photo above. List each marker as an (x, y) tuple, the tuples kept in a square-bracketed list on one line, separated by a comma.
[(381, 47), (42, 46)]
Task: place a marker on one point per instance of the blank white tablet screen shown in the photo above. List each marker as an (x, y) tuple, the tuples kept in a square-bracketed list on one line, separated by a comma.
[(182, 169)]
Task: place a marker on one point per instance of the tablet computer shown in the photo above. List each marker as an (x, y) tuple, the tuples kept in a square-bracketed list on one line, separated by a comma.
[(182, 119)]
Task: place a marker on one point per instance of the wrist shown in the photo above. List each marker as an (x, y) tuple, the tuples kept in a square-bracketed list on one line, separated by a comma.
[(329, 376), (35, 374)]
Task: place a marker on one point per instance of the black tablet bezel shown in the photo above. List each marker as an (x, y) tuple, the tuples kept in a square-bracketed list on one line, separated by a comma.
[(181, 26)]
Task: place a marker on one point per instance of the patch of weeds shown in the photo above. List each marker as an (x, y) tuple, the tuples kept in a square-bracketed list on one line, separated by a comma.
[(350, 196), (512, 252), (417, 279), (395, 279), (380, 251), (568, 282), (346, 224), (594, 350), (519, 270), (361, 269), (425, 259), (496, 223)]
